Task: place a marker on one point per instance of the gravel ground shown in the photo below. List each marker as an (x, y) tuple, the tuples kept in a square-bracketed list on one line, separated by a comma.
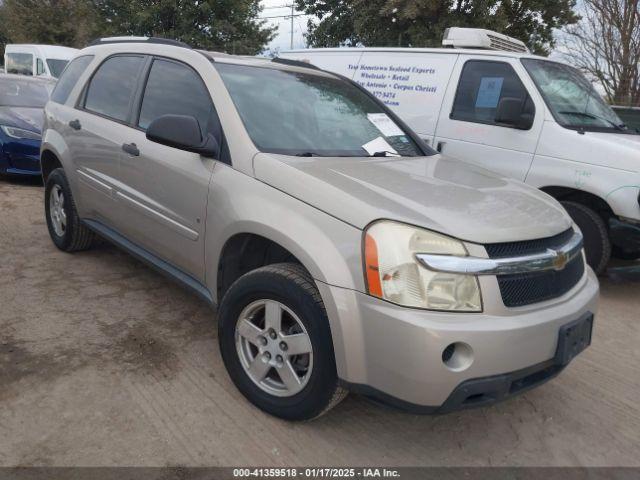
[(104, 362)]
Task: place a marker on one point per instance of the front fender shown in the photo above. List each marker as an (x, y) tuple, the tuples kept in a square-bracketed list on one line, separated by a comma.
[(327, 247)]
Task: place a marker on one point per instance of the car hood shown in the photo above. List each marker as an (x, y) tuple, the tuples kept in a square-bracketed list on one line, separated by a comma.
[(623, 149), (436, 192), (22, 117)]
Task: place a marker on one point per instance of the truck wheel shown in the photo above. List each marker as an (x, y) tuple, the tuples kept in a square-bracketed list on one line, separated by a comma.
[(597, 245), (65, 228), (276, 343)]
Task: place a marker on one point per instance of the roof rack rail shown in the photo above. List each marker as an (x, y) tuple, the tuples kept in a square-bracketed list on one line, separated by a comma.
[(133, 39), (295, 63)]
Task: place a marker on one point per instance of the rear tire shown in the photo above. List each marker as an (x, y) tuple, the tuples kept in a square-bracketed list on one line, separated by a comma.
[(597, 245), (287, 289), (65, 228)]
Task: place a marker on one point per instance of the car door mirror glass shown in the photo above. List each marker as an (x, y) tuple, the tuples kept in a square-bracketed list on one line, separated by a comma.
[(182, 132), (511, 112)]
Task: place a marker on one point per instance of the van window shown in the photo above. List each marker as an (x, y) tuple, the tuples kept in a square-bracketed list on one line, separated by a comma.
[(175, 89), (482, 86), (56, 67), (20, 63), (111, 89), (39, 67), (573, 101), (69, 78)]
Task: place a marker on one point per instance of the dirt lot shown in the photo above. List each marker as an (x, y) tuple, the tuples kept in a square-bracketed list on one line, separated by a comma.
[(104, 362)]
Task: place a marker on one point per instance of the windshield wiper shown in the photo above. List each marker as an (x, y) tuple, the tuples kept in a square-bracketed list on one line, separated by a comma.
[(621, 127), (384, 153)]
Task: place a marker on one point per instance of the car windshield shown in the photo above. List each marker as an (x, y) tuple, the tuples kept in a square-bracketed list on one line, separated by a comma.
[(571, 97), (15, 92), (312, 114), (56, 66)]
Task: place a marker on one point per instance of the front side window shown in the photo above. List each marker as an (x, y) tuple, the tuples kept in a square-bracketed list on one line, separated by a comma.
[(571, 97), (69, 78), (175, 89), (294, 113), (56, 67), (112, 87), (483, 86), (20, 63)]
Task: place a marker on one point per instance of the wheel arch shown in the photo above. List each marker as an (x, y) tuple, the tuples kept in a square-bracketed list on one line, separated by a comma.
[(49, 161), (247, 251), (588, 199)]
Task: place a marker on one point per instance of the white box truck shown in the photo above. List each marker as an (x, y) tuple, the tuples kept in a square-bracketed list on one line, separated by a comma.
[(487, 100), (37, 60)]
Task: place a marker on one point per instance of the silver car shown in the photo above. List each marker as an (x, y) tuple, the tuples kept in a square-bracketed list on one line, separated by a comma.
[(341, 252)]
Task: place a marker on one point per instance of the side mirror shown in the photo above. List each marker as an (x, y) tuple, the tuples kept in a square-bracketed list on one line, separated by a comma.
[(182, 132), (511, 112)]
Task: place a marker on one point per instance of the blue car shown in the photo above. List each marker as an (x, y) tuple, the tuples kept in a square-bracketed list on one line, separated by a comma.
[(22, 100)]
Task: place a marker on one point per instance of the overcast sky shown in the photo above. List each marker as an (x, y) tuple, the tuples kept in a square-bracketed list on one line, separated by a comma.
[(283, 38)]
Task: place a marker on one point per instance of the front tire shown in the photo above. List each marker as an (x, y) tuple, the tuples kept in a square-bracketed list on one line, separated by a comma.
[(276, 343), (597, 245), (65, 228)]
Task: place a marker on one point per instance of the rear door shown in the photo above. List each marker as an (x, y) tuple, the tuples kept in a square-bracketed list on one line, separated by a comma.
[(98, 129), (163, 191), (467, 128)]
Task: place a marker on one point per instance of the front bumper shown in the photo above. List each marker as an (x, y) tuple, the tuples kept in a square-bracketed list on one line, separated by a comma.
[(395, 354), (20, 159)]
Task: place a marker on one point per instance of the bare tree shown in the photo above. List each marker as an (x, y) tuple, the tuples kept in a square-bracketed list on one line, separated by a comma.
[(605, 44)]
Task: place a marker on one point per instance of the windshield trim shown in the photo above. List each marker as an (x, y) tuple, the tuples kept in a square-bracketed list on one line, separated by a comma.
[(420, 144), (559, 121)]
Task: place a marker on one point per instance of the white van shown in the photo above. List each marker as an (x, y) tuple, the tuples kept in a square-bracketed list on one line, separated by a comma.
[(36, 60), (489, 101)]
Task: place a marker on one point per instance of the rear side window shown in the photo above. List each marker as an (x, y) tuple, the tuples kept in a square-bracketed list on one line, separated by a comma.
[(482, 86), (69, 78), (175, 89), (112, 87)]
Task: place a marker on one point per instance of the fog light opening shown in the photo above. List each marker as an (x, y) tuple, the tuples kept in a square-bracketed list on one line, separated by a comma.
[(457, 356)]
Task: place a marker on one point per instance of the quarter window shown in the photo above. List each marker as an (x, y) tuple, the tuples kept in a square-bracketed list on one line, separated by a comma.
[(483, 85), (69, 78), (39, 67), (175, 89), (112, 87)]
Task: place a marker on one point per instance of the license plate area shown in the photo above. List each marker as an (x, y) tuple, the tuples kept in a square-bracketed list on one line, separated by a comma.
[(573, 338)]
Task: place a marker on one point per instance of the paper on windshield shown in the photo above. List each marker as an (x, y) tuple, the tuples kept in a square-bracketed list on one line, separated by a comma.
[(387, 127), (380, 145)]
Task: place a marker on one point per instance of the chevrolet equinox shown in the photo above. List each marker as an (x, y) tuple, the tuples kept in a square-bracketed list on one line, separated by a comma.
[(340, 251)]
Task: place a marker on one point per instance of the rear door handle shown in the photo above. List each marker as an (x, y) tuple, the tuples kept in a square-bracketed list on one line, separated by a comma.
[(131, 149), (75, 124)]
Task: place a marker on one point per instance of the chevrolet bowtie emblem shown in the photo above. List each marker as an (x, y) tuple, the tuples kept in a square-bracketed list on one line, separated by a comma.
[(560, 261)]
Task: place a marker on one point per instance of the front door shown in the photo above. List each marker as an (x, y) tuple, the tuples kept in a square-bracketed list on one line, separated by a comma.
[(468, 128)]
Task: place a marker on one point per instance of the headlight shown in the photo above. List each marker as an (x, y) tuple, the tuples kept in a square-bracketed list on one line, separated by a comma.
[(20, 133), (393, 273)]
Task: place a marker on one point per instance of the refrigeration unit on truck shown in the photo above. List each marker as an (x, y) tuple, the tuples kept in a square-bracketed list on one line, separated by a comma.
[(486, 99)]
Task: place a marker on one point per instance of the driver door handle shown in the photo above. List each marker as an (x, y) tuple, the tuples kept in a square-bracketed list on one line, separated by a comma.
[(131, 149), (75, 124)]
